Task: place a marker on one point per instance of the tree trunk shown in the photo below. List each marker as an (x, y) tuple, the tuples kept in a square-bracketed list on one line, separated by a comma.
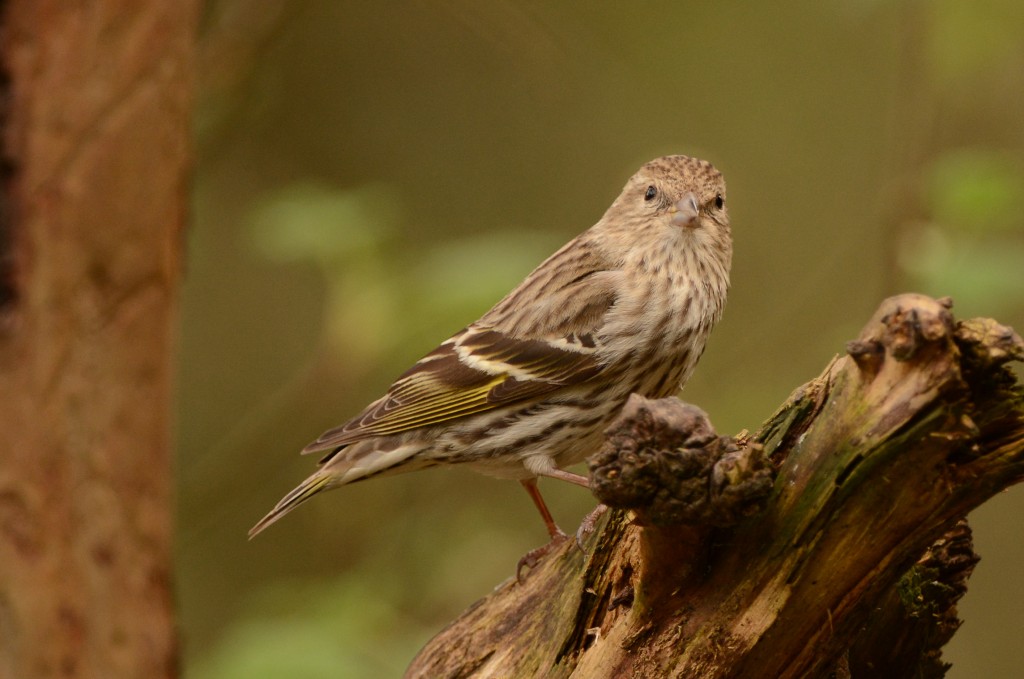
[(96, 107), (849, 563)]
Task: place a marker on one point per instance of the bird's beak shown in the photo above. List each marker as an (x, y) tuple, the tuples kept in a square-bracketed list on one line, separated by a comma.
[(685, 212)]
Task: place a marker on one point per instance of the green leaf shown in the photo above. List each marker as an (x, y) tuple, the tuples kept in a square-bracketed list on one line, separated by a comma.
[(977, 190), (308, 220)]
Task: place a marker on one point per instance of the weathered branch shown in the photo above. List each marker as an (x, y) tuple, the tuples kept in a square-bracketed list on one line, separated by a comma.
[(849, 564)]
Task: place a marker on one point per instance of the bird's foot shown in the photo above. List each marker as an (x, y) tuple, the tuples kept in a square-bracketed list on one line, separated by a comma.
[(588, 524), (534, 556)]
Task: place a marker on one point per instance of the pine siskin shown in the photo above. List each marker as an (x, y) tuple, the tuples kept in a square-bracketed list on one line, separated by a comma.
[(625, 307)]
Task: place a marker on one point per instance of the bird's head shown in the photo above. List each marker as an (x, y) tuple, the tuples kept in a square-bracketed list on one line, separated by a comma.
[(674, 200)]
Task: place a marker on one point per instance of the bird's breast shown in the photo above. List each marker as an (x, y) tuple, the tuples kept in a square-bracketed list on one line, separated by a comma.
[(658, 329)]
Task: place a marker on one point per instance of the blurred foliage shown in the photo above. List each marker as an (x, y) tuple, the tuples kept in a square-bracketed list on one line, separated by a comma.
[(976, 190), (347, 234), (972, 244), (380, 296), (373, 177), (967, 39), (306, 629)]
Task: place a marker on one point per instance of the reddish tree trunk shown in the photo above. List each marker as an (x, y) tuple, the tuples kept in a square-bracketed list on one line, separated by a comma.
[(95, 124)]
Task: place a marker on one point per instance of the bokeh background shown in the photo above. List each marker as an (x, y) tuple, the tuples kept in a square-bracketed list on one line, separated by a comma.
[(371, 176)]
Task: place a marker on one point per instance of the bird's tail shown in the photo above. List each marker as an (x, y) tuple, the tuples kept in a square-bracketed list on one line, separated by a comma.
[(356, 464), (314, 484)]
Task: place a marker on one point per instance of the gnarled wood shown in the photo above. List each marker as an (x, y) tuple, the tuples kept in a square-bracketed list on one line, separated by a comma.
[(876, 462)]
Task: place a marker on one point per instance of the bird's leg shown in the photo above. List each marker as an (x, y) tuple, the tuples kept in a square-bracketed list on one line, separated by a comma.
[(533, 557), (563, 475), (590, 520), (553, 530)]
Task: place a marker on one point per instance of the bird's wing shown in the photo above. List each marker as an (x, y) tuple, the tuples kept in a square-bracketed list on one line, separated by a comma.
[(480, 369), (477, 370)]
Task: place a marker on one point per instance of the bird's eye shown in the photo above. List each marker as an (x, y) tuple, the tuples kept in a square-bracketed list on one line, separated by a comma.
[(651, 193), (719, 201)]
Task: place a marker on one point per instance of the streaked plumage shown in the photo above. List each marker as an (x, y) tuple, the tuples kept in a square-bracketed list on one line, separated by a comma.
[(527, 390)]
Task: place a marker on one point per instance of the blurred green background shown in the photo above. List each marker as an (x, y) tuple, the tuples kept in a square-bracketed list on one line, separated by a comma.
[(371, 176)]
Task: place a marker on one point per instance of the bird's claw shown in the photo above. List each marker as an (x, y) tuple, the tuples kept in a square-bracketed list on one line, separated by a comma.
[(534, 556), (588, 524)]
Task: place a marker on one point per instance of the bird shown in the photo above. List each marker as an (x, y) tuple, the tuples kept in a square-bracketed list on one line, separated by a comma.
[(527, 390)]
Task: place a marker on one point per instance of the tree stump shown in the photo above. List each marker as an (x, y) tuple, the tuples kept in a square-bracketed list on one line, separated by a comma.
[(829, 544)]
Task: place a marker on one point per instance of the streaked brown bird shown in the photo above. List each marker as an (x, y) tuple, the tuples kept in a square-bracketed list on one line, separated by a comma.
[(625, 307)]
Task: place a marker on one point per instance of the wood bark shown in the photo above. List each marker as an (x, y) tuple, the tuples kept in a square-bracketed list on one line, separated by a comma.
[(829, 544), (96, 109)]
